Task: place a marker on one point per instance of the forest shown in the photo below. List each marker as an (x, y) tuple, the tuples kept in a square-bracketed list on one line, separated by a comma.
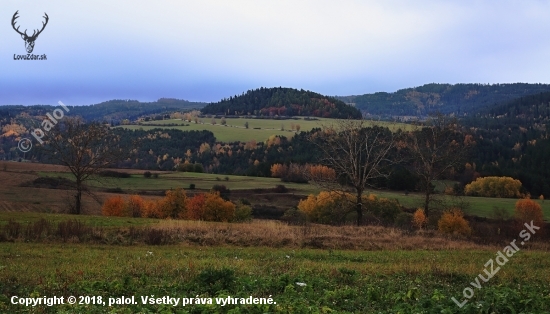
[(457, 99), (280, 101)]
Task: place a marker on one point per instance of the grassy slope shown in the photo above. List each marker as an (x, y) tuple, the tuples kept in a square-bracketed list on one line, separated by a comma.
[(235, 130)]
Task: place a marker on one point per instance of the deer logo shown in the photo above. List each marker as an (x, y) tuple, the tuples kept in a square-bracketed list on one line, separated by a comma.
[(29, 40)]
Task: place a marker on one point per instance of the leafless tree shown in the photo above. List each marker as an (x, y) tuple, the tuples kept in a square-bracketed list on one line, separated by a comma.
[(86, 149), (436, 150), (358, 153)]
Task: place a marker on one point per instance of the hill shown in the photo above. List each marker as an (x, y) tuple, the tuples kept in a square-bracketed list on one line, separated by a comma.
[(111, 111), (458, 99), (282, 102)]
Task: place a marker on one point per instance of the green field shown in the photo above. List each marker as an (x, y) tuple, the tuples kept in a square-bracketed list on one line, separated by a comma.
[(234, 130), (478, 206), (298, 281)]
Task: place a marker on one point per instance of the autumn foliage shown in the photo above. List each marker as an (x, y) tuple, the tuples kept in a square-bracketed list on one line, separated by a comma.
[(419, 218), (494, 187), (302, 173), (176, 205), (527, 210), (452, 222), (114, 206), (332, 207)]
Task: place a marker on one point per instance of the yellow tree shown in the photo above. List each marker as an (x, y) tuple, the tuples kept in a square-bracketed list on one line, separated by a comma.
[(357, 153)]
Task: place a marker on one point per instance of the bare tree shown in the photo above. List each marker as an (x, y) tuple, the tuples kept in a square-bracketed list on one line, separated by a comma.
[(358, 153), (436, 150), (86, 149)]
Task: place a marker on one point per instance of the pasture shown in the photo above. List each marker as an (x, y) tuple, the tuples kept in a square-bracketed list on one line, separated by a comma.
[(15, 198), (304, 269), (258, 129)]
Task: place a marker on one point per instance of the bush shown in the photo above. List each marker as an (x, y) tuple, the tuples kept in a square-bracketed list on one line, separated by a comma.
[(195, 207), (173, 204), (452, 222), (192, 186), (494, 187), (218, 209), (114, 206), (135, 206), (222, 190), (113, 174), (403, 221), (527, 210), (147, 174), (327, 207), (419, 218), (383, 209), (295, 217), (198, 168), (243, 213), (279, 188)]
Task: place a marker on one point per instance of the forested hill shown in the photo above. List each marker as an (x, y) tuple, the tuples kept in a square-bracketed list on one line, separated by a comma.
[(282, 102), (112, 110), (459, 99)]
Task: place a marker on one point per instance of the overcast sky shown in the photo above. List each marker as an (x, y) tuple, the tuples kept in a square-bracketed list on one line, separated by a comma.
[(209, 49)]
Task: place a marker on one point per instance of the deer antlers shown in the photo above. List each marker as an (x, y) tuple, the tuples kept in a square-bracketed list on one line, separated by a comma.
[(34, 34)]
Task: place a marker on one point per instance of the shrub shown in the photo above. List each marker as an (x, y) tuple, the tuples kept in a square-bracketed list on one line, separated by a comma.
[(114, 206), (527, 210), (173, 204), (198, 168), (135, 206), (278, 170), (147, 174), (403, 220), (419, 218), (243, 213), (218, 209), (155, 175), (113, 174), (279, 188), (294, 217), (321, 173), (383, 209), (494, 187), (192, 186), (195, 207), (327, 207), (453, 222), (222, 190)]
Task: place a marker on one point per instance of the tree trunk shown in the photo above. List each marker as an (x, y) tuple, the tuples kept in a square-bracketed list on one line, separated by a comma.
[(359, 208), (78, 197), (427, 202)]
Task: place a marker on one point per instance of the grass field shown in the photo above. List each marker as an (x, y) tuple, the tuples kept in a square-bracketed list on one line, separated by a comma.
[(478, 206), (259, 129), (299, 281), (304, 269)]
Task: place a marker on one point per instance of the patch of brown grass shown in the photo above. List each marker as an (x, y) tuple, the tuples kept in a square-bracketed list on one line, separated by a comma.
[(278, 234)]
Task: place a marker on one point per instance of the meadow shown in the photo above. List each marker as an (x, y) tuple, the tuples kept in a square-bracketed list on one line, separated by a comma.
[(477, 206), (258, 129), (304, 269)]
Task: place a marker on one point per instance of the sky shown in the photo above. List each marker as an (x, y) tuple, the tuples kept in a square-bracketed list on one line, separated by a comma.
[(210, 49)]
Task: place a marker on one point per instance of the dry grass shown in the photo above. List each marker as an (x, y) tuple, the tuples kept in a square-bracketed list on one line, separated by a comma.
[(276, 234)]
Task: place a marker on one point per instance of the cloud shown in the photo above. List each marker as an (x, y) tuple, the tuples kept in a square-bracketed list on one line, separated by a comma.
[(205, 50)]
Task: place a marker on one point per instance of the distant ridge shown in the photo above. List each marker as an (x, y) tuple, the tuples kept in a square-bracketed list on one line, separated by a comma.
[(458, 99)]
